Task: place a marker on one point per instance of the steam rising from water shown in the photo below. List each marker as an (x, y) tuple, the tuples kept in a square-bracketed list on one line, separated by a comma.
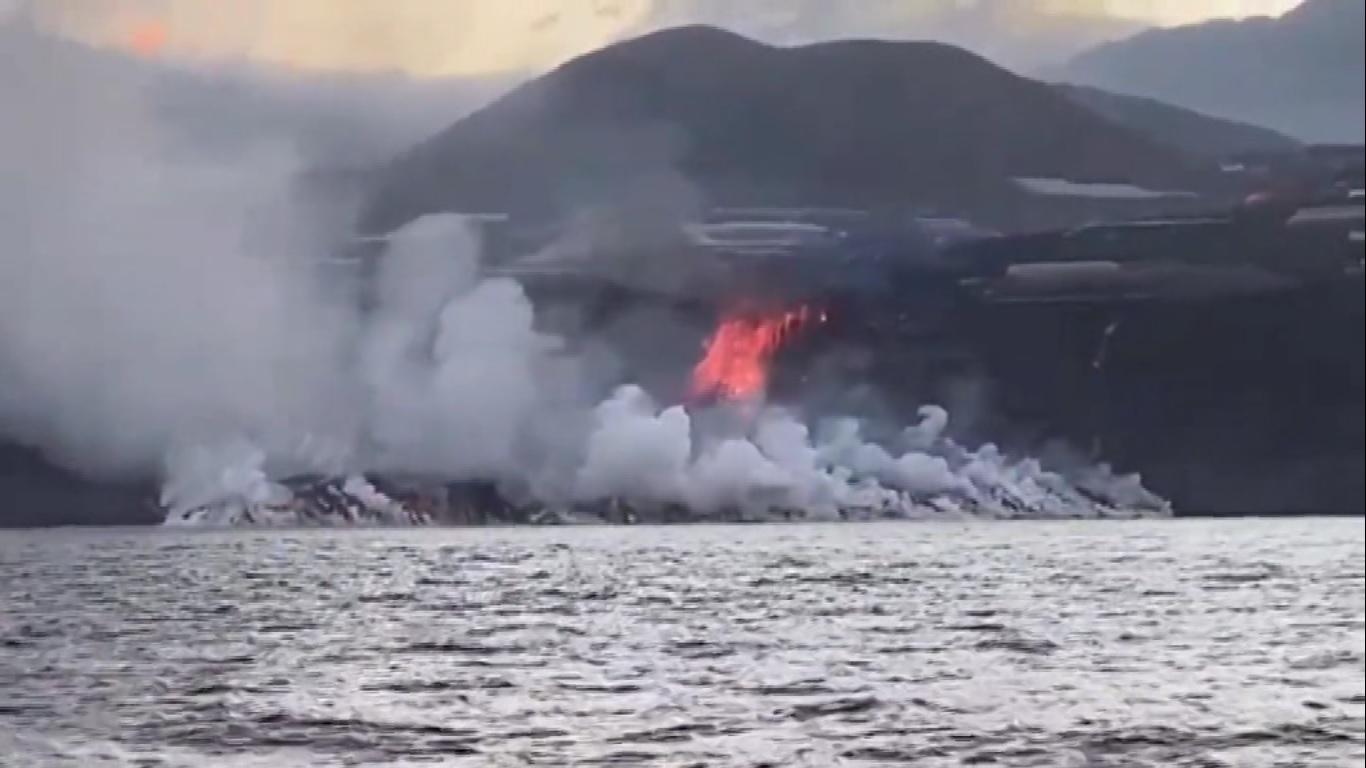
[(165, 309), (639, 452)]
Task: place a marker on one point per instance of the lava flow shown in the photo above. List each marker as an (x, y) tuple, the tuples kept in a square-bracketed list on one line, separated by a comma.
[(739, 354)]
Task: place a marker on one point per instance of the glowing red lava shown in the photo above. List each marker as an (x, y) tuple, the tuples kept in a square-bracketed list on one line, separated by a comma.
[(739, 354)]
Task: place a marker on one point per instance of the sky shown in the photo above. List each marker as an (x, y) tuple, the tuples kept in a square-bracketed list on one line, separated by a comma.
[(445, 38)]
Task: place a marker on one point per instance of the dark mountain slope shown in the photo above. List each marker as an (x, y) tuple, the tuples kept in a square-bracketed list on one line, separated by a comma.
[(731, 120), (1191, 132), (1301, 73)]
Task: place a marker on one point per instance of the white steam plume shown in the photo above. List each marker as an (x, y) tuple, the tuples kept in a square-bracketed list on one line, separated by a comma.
[(150, 294), (452, 361), (161, 236), (644, 454)]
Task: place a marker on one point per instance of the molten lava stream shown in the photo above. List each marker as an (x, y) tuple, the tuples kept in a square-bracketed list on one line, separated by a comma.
[(740, 353)]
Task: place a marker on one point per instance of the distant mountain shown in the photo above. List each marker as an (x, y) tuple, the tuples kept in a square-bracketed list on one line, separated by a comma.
[(1300, 74), (699, 114), (1186, 130), (1021, 36)]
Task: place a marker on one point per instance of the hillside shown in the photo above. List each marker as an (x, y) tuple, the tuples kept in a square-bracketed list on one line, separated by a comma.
[(1301, 73), (1186, 130), (696, 114)]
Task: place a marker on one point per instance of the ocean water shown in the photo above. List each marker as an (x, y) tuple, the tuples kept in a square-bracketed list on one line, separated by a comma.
[(1087, 643)]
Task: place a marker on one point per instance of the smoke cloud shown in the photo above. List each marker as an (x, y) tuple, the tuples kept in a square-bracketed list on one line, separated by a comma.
[(148, 292), (168, 233)]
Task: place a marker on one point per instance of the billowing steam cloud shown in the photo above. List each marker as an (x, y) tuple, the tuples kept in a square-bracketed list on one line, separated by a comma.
[(162, 235), (452, 363), (167, 309), (639, 452), (150, 293)]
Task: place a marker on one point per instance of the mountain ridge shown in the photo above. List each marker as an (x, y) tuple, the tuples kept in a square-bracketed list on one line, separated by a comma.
[(851, 122), (1300, 73)]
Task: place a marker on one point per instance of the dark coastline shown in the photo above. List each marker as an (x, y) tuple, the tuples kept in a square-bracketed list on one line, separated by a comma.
[(34, 494)]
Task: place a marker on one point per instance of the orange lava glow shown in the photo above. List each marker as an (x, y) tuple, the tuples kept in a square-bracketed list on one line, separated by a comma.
[(739, 354), (148, 38)]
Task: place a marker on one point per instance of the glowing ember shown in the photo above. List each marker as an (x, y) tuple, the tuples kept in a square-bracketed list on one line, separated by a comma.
[(740, 352), (148, 38)]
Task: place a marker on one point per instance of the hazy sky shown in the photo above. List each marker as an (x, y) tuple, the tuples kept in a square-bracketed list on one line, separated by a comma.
[(480, 37)]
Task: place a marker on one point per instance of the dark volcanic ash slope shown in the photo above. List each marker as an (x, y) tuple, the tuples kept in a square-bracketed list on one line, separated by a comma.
[(734, 121)]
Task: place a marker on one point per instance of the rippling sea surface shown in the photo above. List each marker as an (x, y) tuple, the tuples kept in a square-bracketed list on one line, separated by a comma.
[(1146, 643)]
